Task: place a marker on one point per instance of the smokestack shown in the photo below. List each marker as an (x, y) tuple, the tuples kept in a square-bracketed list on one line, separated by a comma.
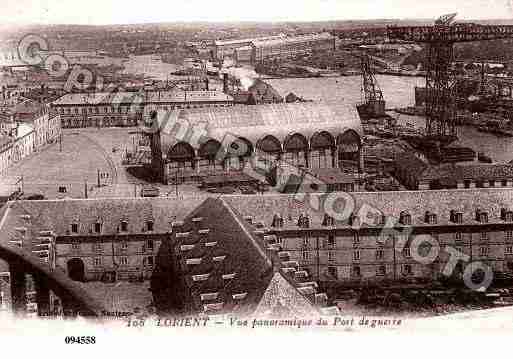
[(225, 83)]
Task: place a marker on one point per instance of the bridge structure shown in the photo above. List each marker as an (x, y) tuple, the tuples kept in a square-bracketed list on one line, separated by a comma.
[(440, 77)]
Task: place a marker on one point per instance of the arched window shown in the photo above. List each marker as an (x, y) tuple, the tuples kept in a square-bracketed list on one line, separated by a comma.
[(295, 148)]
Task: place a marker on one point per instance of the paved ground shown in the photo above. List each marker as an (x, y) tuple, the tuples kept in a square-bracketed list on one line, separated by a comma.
[(84, 152), (121, 296), (78, 164)]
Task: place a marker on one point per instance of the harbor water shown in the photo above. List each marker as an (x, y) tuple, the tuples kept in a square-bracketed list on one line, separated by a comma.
[(398, 92)]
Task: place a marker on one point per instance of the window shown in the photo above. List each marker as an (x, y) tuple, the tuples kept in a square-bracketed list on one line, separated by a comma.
[(148, 261), (405, 218), (382, 270), (379, 254), (356, 238), (356, 271), (509, 250), (458, 236), (331, 256), (149, 245), (482, 216), (508, 235), (124, 226), (484, 236), (504, 183), (75, 247), (406, 252), (74, 228), (97, 247), (430, 218), (97, 261), (305, 255), (123, 261), (305, 242), (331, 240), (149, 226), (332, 271), (124, 246), (407, 270), (484, 251), (97, 227), (356, 255)]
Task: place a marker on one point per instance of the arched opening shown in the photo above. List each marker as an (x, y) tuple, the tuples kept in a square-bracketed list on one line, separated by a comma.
[(237, 153), (210, 156), (322, 150), (295, 148), (348, 146), (76, 269), (180, 160), (269, 148)]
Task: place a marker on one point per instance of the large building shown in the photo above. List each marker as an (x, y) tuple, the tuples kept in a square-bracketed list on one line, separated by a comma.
[(228, 48), (292, 46), (27, 137), (416, 174), (106, 109), (303, 135), (219, 252), (273, 47)]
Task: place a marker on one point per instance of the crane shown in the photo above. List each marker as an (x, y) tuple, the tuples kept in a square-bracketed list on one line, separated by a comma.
[(374, 104), (440, 78)]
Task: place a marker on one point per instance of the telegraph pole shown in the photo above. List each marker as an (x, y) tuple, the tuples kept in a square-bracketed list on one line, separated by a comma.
[(85, 189), (98, 177)]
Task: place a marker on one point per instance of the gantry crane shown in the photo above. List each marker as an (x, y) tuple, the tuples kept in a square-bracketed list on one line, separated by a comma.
[(440, 78), (373, 105)]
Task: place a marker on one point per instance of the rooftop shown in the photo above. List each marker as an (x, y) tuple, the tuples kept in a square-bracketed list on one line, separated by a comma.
[(279, 120), (294, 39), (134, 98), (469, 171)]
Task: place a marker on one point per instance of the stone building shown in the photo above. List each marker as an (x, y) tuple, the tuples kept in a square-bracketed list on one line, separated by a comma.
[(225, 254), (273, 47), (478, 223), (122, 109), (290, 47), (302, 135), (415, 174)]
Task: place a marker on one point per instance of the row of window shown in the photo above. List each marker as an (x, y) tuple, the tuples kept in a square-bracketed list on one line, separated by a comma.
[(96, 110), (149, 245), (379, 254), (330, 240), (406, 269), (147, 261), (123, 227)]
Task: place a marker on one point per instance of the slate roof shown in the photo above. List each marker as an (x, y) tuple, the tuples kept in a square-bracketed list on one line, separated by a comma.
[(469, 172), (229, 247), (128, 98), (254, 122), (411, 163), (391, 204), (57, 215)]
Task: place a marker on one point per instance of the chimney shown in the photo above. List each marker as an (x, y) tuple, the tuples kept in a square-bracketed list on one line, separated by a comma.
[(225, 83)]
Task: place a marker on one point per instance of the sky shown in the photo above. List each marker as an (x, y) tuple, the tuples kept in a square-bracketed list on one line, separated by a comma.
[(100, 12)]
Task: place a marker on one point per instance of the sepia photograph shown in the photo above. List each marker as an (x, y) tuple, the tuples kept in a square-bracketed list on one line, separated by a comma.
[(175, 170)]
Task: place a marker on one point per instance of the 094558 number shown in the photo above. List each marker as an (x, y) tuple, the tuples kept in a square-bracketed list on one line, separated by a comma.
[(80, 340)]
